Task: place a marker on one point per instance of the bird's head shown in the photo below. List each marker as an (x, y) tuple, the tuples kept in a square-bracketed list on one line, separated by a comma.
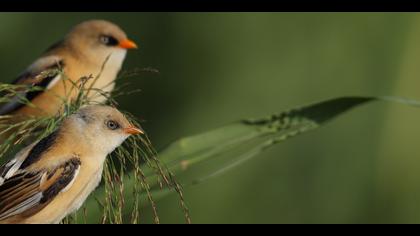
[(103, 128), (99, 39)]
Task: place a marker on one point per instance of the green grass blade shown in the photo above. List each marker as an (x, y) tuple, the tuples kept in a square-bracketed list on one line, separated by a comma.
[(236, 142)]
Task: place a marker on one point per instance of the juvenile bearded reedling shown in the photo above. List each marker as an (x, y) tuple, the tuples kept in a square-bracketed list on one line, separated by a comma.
[(90, 48), (52, 178)]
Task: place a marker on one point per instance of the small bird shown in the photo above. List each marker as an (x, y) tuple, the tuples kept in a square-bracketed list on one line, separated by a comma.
[(51, 178), (95, 47)]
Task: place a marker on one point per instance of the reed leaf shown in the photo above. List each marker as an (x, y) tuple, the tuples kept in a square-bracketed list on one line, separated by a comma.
[(235, 143), (136, 175)]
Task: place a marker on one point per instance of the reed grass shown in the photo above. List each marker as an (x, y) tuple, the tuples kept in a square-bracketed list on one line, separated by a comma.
[(130, 157), (135, 175)]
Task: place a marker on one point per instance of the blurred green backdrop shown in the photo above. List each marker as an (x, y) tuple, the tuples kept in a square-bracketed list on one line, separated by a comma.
[(221, 67)]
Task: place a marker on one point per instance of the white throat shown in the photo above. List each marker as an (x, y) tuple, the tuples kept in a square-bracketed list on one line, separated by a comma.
[(116, 60)]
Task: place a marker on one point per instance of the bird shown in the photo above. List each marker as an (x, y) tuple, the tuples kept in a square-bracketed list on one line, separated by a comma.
[(95, 48), (51, 178)]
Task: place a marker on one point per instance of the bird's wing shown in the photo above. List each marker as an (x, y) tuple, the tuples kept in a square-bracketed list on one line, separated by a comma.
[(25, 193), (43, 73)]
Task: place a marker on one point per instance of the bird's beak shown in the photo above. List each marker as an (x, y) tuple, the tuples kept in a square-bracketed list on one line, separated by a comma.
[(133, 130), (127, 44)]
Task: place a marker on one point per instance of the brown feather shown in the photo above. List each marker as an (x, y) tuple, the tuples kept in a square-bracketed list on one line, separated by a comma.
[(19, 189), (22, 187)]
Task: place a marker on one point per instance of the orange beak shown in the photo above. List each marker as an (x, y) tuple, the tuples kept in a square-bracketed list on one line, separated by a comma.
[(133, 130), (127, 44)]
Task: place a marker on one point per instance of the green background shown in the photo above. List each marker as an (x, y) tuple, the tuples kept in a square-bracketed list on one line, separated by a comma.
[(220, 67)]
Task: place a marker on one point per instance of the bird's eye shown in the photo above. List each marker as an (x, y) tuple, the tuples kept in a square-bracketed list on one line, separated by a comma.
[(108, 40), (112, 125)]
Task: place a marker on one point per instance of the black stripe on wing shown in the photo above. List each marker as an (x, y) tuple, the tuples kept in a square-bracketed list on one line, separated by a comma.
[(67, 176), (40, 148), (28, 193), (32, 79)]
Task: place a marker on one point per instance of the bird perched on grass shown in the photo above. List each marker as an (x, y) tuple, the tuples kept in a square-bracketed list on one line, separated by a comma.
[(95, 47), (52, 178)]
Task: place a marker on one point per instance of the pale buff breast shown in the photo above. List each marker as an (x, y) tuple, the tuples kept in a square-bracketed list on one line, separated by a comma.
[(51, 101)]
